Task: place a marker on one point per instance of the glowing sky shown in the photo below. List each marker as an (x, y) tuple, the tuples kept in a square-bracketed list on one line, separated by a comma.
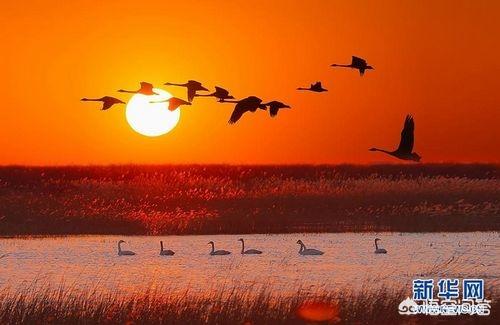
[(438, 60)]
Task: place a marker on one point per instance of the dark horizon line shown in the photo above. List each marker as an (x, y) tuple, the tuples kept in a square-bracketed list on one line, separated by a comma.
[(293, 164)]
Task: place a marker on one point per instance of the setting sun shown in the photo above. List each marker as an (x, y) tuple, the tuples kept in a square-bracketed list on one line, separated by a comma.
[(337, 162), (149, 116)]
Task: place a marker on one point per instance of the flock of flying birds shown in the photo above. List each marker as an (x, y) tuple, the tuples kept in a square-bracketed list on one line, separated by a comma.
[(253, 103)]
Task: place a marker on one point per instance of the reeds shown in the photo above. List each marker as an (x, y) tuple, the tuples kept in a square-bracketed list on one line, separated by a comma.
[(220, 307), (248, 199)]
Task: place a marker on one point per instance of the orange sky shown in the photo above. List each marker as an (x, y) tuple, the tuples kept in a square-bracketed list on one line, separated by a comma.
[(439, 60)]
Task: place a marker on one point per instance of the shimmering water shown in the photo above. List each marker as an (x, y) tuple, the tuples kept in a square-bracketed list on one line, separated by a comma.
[(91, 262)]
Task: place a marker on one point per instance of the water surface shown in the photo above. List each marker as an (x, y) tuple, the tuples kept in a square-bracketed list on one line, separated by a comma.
[(91, 262)]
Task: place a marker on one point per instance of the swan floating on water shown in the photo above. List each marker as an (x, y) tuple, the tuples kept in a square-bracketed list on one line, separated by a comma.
[(379, 250), (218, 252), (165, 252), (121, 252), (248, 251), (308, 251)]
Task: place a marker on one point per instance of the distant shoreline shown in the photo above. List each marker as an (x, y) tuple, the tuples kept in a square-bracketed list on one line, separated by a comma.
[(223, 199)]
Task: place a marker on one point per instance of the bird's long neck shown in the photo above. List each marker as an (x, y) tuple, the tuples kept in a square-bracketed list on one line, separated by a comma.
[(376, 245), (242, 247), (342, 65), (91, 99), (174, 84), (302, 247), (161, 246), (213, 247), (383, 150), (229, 101), (302, 88), (127, 91), (119, 247)]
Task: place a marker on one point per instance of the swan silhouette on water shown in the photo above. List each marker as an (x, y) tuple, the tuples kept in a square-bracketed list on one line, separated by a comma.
[(308, 251), (107, 101), (217, 252), (173, 103), (377, 249), (356, 63), (316, 87), (220, 93), (248, 251), (165, 252), (404, 151), (146, 89), (192, 87), (121, 252)]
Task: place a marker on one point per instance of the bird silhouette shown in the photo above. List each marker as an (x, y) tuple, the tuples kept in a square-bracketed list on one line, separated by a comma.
[(404, 151), (248, 251), (173, 103), (217, 252), (316, 87), (122, 252), (308, 251), (249, 104), (107, 101), (219, 93), (275, 106), (192, 87), (379, 250), (146, 89), (356, 63), (165, 252)]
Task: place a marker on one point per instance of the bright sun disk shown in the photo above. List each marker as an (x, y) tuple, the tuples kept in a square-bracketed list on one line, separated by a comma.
[(151, 119)]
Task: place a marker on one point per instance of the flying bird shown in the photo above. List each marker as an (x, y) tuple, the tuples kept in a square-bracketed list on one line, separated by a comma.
[(192, 87), (173, 103), (249, 104), (220, 93), (275, 106), (107, 101), (404, 151), (316, 87), (356, 63), (146, 89)]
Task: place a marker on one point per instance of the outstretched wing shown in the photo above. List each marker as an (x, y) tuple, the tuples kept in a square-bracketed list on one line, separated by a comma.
[(191, 93), (273, 111), (358, 62), (174, 103), (194, 83), (146, 86), (221, 92), (107, 105), (109, 101), (237, 113), (407, 137)]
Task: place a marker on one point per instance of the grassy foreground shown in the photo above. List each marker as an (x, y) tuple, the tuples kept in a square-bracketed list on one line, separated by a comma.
[(154, 307), (248, 199)]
